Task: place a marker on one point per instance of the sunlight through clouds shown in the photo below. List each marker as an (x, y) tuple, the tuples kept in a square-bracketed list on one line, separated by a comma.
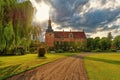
[(91, 15), (41, 11)]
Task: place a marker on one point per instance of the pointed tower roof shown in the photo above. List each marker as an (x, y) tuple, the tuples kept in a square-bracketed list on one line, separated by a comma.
[(49, 26)]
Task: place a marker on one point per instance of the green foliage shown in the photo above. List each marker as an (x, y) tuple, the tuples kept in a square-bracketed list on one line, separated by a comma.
[(90, 44), (41, 52), (36, 31), (9, 36), (97, 50), (2, 38), (96, 44), (109, 36), (15, 24), (112, 50), (116, 42), (17, 31), (66, 46), (59, 51), (105, 44)]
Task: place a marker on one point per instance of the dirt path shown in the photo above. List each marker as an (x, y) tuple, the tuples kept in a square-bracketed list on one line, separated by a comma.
[(70, 68)]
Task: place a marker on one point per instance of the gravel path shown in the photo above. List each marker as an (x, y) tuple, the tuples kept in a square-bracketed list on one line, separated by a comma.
[(70, 68)]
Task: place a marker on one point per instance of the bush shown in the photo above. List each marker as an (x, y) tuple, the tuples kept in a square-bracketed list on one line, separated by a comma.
[(51, 49), (71, 49), (97, 50), (41, 52), (112, 50), (19, 51), (87, 50), (59, 51), (33, 49)]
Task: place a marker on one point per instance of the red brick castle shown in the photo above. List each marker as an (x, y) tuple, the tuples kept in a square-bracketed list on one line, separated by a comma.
[(63, 39)]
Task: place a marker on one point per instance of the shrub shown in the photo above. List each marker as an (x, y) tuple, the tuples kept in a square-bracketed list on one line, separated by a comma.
[(112, 50), (33, 49), (41, 52), (97, 50), (59, 51), (72, 50), (87, 50), (19, 51)]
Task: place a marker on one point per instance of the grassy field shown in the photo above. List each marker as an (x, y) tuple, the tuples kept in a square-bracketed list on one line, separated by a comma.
[(103, 66), (11, 65)]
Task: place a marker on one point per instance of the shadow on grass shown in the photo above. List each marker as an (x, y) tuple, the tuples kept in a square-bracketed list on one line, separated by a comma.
[(7, 71), (104, 60), (42, 57)]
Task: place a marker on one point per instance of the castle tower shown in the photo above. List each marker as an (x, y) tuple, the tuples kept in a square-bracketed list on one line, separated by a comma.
[(49, 35), (49, 26)]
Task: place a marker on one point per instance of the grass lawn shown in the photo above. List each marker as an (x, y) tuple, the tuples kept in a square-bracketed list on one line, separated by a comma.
[(103, 66), (11, 65)]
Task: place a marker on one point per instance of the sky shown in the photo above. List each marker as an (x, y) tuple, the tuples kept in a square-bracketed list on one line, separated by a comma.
[(96, 17)]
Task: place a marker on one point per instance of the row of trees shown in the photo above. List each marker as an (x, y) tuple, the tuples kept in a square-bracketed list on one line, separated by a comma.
[(104, 44), (15, 25)]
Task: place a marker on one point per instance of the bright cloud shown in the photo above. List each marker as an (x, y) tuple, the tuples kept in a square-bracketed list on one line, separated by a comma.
[(41, 11), (97, 17)]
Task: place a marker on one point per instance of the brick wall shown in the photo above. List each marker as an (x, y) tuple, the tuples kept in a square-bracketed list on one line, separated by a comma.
[(49, 39)]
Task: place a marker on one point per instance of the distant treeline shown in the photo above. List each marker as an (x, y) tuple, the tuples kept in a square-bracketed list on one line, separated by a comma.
[(108, 44), (15, 25)]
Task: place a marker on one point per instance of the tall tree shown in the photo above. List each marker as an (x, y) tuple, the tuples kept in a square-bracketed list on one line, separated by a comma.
[(9, 36), (15, 24), (109, 36), (105, 44), (90, 44), (96, 43), (116, 42), (36, 31), (2, 38)]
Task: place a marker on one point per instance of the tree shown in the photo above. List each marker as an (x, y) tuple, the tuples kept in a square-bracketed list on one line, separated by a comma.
[(96, 43), (9, 36), (116, 42), (105, 44), (90, 44), (110, 39), (15, 24), (2, 38), (36, 32), (109, 36)]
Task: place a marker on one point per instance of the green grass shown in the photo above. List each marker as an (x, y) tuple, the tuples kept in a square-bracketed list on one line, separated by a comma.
[(11, 65), (103, 66)]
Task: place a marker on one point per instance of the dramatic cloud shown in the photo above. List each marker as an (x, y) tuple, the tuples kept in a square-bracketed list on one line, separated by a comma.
[(96, 17)]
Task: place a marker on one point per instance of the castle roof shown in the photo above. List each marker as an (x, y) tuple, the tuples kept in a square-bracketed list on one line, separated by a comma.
[(66, 34)]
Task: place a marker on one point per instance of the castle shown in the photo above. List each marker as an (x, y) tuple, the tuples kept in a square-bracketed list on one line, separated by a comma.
[(63, 39)]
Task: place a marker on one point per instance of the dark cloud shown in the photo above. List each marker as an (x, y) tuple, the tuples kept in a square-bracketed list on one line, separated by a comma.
[(67, 14), (106, 28), (98, 18)]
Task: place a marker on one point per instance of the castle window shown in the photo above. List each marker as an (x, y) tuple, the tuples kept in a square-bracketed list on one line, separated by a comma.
[(70, 35)]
